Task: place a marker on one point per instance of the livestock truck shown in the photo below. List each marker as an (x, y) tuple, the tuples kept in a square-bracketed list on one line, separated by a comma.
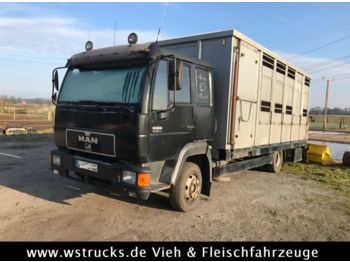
[(175, 114)]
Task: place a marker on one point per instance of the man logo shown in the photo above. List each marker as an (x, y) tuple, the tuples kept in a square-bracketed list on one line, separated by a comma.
[(87, 139)]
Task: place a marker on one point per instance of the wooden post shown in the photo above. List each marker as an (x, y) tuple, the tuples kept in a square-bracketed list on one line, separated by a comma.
[(342, 121), (49, 115)]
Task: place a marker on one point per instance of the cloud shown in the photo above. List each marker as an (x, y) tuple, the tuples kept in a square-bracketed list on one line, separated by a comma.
[(30, 47), (331, 68), (48, 39), (319, 67), (12, 9), (32, 44)]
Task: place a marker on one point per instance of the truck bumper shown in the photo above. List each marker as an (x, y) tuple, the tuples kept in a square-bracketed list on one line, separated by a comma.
[(109, 173)]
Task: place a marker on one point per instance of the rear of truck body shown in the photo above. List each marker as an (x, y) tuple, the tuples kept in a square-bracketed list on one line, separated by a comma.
[(239, 107)]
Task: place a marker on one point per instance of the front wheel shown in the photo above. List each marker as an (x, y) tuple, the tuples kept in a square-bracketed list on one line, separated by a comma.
[(184, 195), (276, 165)]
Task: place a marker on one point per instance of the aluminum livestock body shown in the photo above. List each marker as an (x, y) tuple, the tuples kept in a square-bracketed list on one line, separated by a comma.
[(261, 99)]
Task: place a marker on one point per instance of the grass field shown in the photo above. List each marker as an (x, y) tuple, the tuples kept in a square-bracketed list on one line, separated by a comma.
[(334, 123), (34, 117)]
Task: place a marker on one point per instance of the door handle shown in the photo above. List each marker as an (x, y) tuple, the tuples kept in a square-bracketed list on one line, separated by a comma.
[(163, 115)]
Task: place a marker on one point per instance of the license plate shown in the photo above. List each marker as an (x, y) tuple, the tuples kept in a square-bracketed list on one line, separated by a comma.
[(86, 165)]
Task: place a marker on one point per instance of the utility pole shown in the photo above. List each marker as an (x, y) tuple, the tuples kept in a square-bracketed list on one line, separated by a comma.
[(326, 102), (326, 106)]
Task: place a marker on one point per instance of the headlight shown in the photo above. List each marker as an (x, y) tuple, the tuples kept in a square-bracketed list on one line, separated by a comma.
[(56, 160), (129, 177)]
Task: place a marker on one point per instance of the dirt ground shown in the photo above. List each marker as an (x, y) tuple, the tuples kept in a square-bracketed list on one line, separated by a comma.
[(36, 205), (330, 137)]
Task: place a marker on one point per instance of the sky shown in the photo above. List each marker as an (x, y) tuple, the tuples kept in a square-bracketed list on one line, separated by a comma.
[(37, 37)]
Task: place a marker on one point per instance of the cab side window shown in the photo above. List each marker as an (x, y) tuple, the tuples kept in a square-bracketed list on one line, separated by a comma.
[(160, 89), (183, 95)]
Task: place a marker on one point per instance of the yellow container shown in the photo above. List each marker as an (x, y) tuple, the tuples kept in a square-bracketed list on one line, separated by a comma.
[(319, 154)]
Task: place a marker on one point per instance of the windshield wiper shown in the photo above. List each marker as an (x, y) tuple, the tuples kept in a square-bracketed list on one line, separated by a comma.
[(85, 102), (118, 105), (98, 104)]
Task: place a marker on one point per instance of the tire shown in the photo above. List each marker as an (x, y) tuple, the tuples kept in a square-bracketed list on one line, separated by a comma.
[(276, 165), (184, 195)]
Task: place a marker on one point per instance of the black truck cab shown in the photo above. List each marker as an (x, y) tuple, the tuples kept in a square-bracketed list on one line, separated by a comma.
[(136, 117)]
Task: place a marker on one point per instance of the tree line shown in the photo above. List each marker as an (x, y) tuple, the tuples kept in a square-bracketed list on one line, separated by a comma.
[(12, 100), (330, 111)]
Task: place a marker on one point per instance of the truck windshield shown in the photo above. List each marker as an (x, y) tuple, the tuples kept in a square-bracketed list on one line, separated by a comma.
[(122, 85)]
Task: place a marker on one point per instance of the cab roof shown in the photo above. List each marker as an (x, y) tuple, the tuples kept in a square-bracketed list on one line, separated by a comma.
[(125, 53)]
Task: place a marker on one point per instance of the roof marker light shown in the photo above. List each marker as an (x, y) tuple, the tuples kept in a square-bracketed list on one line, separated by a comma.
[(132, 39), (89, 45)]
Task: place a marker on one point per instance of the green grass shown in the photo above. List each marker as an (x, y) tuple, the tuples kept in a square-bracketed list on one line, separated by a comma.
[(335, 176), (333, 122), (330, 126)]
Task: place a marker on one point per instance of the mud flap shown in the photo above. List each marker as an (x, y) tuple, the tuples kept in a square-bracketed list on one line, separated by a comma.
[(206, 187)]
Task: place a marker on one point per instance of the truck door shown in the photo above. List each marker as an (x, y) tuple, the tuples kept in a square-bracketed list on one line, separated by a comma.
[(169, 129), (247, 96)]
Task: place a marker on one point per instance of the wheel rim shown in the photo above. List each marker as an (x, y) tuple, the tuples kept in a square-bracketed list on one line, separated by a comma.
[(192, 188)]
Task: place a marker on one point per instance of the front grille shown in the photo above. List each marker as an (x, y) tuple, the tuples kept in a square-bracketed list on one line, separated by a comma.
[(91, 142)]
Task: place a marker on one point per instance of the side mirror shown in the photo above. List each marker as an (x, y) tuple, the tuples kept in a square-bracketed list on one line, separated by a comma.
[(179, 75), (54, 97), (172, 75), (55, 84), (55, 81), (175, 74)]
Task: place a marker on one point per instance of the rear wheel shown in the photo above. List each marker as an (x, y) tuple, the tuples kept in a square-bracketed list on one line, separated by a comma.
[(185, 193), (276, 165)]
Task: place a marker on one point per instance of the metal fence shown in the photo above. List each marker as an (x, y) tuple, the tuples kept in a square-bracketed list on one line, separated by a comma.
[(333, 122), (34, 117)]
